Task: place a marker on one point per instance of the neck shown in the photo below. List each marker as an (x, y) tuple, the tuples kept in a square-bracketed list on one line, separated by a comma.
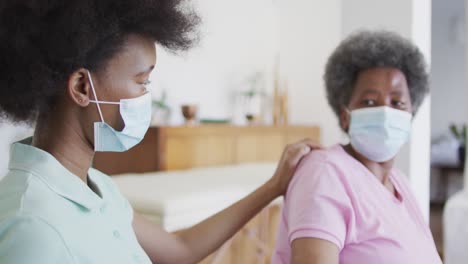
[(64, 139), (380, 169)]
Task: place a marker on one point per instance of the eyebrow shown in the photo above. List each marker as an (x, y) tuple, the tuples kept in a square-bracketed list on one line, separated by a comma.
[(370, 91), (373, 92), (396, 92)]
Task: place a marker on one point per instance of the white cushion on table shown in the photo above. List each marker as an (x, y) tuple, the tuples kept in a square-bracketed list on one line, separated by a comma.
[(179, 199)]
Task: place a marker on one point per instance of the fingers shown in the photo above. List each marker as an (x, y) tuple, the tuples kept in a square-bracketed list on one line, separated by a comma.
[(311, 143), (292, 155), (296, 153), (298, 150)]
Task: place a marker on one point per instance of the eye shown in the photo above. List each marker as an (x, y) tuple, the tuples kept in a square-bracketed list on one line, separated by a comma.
[(369, 102), (146, 82), (398, 104)]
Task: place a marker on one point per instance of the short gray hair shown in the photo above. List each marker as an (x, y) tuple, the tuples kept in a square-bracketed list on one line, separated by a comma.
[(370, 49)]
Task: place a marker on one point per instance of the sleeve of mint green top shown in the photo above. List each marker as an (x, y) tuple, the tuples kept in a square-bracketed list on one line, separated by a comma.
[(26, 240)]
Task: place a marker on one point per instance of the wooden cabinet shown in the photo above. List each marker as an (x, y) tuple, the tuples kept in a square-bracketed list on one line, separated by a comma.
[(175, 148), (253, 244)]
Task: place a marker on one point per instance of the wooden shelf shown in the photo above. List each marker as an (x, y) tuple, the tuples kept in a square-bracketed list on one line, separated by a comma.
[(185, 147)]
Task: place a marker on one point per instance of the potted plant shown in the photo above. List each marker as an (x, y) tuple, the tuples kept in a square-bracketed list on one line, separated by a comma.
[(460, 133), (161, 111), (253, 96)]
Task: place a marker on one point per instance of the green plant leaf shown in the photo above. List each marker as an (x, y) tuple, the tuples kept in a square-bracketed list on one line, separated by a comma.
[(454, 130)]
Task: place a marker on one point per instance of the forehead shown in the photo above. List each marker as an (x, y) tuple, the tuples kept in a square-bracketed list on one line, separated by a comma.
[(381, 79), (137, 54)]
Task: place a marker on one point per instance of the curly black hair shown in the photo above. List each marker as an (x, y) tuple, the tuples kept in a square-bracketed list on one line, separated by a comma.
[(42, 42), (369, 49)]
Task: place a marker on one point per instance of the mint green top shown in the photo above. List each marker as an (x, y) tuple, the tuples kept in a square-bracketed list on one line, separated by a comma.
[(49, 215)]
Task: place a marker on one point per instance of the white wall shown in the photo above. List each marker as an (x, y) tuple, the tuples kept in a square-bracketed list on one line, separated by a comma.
[(238, 38), (310, 30), (237, 41), (465, 91), (420, 144), (368, 14), (411, 19), (448, 83)]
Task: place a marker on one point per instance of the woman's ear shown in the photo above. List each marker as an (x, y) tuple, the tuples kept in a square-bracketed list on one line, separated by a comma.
[(345, 118), (79, 87)]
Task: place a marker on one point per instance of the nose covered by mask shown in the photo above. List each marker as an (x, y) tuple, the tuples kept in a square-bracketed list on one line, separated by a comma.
[(378, 133), (136, 115)]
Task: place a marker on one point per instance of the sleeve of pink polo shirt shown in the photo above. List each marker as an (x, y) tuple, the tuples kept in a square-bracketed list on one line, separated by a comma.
[(317, 202)]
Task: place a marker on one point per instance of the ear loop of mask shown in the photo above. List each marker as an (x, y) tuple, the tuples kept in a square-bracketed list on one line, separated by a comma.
[(97, 102)]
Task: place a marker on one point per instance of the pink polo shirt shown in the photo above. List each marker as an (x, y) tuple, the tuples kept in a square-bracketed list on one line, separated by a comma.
[(336, 198)]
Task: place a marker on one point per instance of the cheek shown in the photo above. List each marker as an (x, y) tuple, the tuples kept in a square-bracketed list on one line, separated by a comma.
[(411, 109), (116, 119), (410, 105), (134, 89), (115, 90), (126, 89), (111, 114)]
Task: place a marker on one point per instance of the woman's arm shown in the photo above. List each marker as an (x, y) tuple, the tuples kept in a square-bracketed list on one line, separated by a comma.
[(314, 251), (194, 244)]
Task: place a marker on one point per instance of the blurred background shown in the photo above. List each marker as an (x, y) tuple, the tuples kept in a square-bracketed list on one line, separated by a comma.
[(260, 63)]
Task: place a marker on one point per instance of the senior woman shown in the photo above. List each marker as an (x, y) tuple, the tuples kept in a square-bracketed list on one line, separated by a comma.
[(348, 204), (78, 70)]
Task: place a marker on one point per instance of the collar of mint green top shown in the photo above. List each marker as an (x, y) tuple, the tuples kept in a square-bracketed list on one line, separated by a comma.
[(44, 166)]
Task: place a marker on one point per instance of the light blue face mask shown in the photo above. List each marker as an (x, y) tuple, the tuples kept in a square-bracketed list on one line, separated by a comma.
[(136, 114), (378, 133)]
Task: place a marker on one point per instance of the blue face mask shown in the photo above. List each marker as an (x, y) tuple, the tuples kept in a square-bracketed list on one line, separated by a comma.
[(136, 114), (378, 133)]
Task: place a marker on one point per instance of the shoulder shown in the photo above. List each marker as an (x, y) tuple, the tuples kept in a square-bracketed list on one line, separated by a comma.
[(327, 165), (318, 204), (22, 193), (25, 225), (13, 188), (28, 239), (334, 156)]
